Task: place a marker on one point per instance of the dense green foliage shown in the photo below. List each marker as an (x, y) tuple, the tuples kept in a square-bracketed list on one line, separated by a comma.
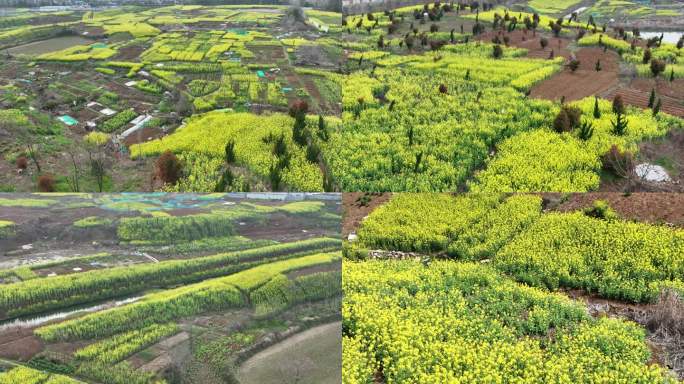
[(43, 294), (117, 121), (117, 348), (422, 222), (629, 261), (24, 375), (281, 292), (591, 250), (402, 134), (174, 229), (459, 322), (162, 307)]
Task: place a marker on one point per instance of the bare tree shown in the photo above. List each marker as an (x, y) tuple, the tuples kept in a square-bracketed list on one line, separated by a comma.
[(73, 179)]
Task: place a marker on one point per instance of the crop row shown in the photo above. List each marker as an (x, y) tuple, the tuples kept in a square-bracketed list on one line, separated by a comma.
[(457, 322), (282, 292), (629, 261), (24, 375), (156, 308), (117, 121), (174, 228), (617, 259), (60, 291), (117, 348)]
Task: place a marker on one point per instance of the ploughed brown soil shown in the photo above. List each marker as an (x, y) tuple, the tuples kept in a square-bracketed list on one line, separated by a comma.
[(585, 81), (663, 86), (129, 53), (655, 208), (354, 212), (19, 344), (531, 42), (282, 227), (639, 98)]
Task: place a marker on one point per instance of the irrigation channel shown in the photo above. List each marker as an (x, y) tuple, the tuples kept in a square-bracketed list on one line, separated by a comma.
[(31, 321)]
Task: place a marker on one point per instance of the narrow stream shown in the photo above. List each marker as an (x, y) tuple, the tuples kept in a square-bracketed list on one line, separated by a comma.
[(33, 321)]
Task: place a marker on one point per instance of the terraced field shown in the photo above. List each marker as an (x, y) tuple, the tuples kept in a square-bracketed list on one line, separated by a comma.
[(151, 288), (90, 85)]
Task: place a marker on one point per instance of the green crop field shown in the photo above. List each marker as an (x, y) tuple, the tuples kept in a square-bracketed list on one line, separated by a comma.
[(122, 77), (159, 273), (504, 288), (428, 97)]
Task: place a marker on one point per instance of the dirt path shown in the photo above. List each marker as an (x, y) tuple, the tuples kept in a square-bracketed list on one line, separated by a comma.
[(312, 356)]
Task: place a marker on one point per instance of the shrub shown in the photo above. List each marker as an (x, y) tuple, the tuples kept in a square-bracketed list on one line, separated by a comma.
[(169, 168), (652, 98), (22, 162), (46, 183), (657, 67), (601, 210), (96, 138), (497, 51), (619, 163), (586, 130), (618, 105), (230, 152), (544, 42), (620, 125), (298, 107), (656, 107), (568, 118), (647, 56)]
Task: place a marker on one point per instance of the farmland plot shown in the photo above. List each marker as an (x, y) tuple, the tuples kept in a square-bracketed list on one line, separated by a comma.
[(147, 288), (511, 287)]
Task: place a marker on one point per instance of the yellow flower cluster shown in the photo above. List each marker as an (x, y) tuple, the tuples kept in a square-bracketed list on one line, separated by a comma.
[(455, 322)]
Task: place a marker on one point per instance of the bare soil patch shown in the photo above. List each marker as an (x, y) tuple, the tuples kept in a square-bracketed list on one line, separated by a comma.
[(654, 208), (355, 209), (639, 98), (129, 53), (282, 227), (311, 356), (674, 89), (266, 54), (19, 344), (584, 82), (531, 42)]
